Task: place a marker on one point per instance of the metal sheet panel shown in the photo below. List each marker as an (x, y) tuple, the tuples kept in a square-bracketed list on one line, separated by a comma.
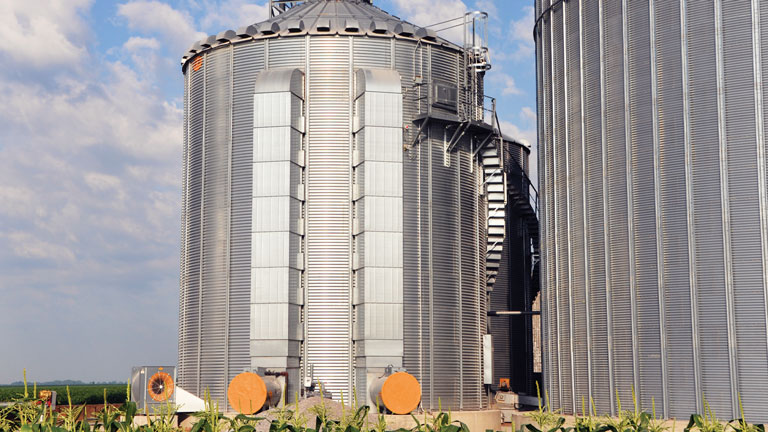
[(412, 303), (560, 212), (372, 52), (328, 310), (641, 157), (595, 210), (617, 202), (470, 282), (706, 203), (277, 228), (378, 240), (743, 190), (577, 257), (215, 222), (185, 247), (445, 290), (286, 52), (673, 218), (548, 215), (248, 61)]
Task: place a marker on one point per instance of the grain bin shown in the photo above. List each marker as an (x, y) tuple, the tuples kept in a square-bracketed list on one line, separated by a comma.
[(338, 176), (655, 226)]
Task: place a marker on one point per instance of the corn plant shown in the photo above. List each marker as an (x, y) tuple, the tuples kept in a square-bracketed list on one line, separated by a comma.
[(128, 412), (548, 420), (656, 424), (299, 419), (70, 416), (162, 419), (708, 422), (741, 425), (108, 418), (587, 421), (210, 419), (285, 419)]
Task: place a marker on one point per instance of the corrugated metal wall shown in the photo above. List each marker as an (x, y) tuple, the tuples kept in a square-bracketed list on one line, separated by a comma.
[(443, 255), (328, 308), (214, 223), (247, 63), (654, 205)]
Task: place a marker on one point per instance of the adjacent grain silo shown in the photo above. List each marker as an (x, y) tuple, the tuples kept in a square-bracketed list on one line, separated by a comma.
[(655, 225), (344, 204)]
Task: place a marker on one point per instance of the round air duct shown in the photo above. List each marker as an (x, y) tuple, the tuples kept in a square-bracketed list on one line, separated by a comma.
[(399, 392), (248, 392)]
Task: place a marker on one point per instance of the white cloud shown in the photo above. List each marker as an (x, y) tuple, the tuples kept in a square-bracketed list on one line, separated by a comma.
[(42, 33), (101, 182), (505, 81), (137, 43), (232, 14), (175, 27), (70, 143), (521, 33), (121, 112), (89, 182), (527, 135), (528, 114), (25, 245), (510, 88), (425, 12), (487, 6)]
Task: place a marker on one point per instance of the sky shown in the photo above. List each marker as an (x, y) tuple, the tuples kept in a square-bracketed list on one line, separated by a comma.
[(90, 167)]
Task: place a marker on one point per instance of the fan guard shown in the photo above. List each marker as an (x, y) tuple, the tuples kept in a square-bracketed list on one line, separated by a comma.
[(160, 387)]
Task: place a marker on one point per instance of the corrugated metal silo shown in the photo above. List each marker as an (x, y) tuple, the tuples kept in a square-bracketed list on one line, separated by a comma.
[(654, 216), (338, 177)]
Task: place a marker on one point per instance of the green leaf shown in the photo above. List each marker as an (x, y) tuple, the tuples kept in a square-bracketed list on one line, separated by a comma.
[(531, 427), (198, 426)]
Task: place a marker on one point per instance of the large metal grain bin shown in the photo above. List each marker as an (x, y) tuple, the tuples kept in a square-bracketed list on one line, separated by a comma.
[(338, 176), (652, 123)]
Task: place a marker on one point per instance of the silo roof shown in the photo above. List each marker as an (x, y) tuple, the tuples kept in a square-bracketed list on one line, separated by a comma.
[(324, 17)]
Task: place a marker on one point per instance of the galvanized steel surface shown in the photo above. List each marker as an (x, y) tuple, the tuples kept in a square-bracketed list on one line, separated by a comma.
[(229, 255), (654, 203)]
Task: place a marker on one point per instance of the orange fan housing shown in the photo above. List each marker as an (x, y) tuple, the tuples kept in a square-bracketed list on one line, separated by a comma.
[(160, 387)]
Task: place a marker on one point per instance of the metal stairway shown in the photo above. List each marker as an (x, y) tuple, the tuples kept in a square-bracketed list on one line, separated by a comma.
[(496, 194), (524, 200)]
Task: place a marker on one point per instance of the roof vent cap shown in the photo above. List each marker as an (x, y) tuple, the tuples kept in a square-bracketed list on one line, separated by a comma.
[(226, 36), (379, 27), (247, 31), (323, 25), (404, 29), (426, 34), (208, 42), (294, 26), (351, 25), (268, 29)]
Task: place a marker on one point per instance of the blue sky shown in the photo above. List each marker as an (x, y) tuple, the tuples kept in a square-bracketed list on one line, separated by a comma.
[(90, 167)]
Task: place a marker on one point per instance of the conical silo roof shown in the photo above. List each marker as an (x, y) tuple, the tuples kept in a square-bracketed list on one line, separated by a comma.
[(324, 17)]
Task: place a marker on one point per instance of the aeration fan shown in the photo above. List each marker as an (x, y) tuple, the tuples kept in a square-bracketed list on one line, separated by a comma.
[(153, 385)]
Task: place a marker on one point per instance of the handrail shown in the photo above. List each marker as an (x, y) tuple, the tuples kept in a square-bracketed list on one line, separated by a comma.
[(516, 173)]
